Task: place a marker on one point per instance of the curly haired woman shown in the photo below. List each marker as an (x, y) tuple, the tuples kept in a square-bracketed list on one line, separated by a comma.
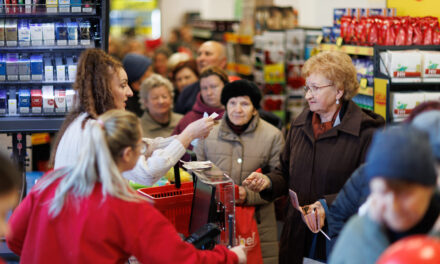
[(101, 85)]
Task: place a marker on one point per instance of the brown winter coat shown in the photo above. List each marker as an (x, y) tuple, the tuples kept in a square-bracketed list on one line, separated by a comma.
[(238, 156), (318, 169)]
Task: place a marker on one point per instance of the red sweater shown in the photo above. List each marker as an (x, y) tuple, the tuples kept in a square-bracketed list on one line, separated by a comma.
[(93, 230)]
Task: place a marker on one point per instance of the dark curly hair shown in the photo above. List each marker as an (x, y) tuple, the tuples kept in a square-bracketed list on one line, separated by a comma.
[(190, 64), (93, 87)]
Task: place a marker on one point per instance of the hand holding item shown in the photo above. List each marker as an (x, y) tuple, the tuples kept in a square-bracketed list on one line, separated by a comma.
[(241, 253), (313, 215), (256, 182)]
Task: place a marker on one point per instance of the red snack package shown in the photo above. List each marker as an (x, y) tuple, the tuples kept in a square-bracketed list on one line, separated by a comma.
[(417, 33), (399, 31), (436, 34), (427, 31), (372, 32), (381, 34), (361, 31), (388, 32), (345, 23), (409, 32)]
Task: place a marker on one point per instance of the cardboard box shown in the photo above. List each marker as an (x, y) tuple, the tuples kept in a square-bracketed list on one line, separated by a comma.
[(36, 101), (48, 99), (402, 104), (431, 64), (24, 101)]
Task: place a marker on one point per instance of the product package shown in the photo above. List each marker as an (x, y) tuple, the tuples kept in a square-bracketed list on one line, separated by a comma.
[(64, 6), (12, 102), (24, 101), (70, 99), (36, 34), (61, 69), (2, 33), (37, 67), (403, 66), (2, 101), (12, 66), (11, 33), (84, 33), (24, 33), (36, 101), (87, 6), (432, 96), (72, 33), (49, 34), (61, 34), (48, 99), (2, 67), (60, 101), (51, 6), (24, 69), (402, 104), (76, 6), (431, 66), (48, 69), (71, 68)]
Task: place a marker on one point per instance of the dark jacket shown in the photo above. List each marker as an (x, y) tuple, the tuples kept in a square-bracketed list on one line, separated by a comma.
[(318, 169), (187, 98), (347, 203), (133, 104)]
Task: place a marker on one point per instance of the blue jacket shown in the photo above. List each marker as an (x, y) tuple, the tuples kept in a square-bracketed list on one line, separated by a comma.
[(347, 203)]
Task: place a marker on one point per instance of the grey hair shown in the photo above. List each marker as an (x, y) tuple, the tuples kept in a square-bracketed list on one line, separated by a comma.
[(154, 81), (96, 164)]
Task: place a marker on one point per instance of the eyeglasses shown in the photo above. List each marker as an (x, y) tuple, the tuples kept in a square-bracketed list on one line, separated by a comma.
[(314, 89)]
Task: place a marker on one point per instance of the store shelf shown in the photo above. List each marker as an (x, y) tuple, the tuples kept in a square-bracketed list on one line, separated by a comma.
[(244, 69), (12, 124), (366, 91), (45, 48), (349, 49), (35, 83), (49, 15)]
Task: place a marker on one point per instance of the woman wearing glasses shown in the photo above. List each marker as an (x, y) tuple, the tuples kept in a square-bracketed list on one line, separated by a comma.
[(325, 144)]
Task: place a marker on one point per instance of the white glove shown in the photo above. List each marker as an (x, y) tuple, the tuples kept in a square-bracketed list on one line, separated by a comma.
[(241, 254)]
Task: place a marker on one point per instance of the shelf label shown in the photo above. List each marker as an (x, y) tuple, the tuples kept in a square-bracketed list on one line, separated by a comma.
[(364, 83), (2, 77), (49, 42), (11, 43), (37, 77), (2, 110), (62, 42), (85, 42), (319, 39), (339, 41), (87, 9), (64, 9), (25, 43), (37, 43), (24, 110), (25, 77), (51, 10), (76, 9), (73, 42), (12, 77), (36, 110), (2, 43)]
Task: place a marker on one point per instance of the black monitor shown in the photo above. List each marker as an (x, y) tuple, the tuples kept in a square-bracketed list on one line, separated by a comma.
[(203, 205)]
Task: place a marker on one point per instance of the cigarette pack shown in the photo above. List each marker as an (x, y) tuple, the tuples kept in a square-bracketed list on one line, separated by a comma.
[(2, 101), (36, 101), (24, 101), (36, 34), (24, 69), (37, 67), (48, 99), (70, 99), (60, 101), (12, 66)]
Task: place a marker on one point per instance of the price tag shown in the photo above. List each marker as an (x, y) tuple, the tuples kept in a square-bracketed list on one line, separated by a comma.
[(11, 43), (64, 9), (61, 42), (73, 42), (25, 43), (85, 42), (51, 10), (25, 77), (2, 43), (36, 110), (49, 42), (87, 10), (364, 83), (76, 9), (12, 77), (319, 40), (24, 110), (2, 77), (339, 41), (37, 43)]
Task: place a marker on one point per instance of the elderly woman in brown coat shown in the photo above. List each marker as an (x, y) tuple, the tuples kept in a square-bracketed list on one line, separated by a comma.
[(325, 144), (241, 143)]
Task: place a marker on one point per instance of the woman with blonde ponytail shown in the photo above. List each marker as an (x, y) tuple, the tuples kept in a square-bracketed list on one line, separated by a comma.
[(101, 85), (88, 214)]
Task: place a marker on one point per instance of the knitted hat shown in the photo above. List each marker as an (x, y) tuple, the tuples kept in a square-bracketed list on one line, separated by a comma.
[(430, 123), (401, 153), (135, 65), (241, 88)]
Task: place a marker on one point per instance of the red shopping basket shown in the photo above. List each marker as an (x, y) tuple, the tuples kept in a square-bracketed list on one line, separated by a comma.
[(174, 204)]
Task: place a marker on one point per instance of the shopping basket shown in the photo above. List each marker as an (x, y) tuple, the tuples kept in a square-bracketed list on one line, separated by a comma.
[(174, 204)]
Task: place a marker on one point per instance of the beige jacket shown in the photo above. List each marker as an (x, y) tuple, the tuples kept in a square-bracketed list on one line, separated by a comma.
[(238, 156), (152, 129)]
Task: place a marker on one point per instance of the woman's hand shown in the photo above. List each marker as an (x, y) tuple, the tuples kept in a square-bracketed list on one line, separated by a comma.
[(256, 182), (241, 195), (314, 216), (241, 254), (197, 129)]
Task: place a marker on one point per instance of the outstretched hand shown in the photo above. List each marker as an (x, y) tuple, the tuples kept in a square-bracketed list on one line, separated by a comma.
[(256, 182)]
